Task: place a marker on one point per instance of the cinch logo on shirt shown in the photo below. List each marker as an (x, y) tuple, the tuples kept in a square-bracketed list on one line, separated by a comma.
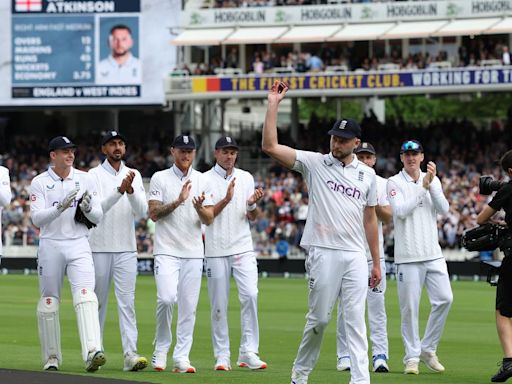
[(349, 191), (74, 204)]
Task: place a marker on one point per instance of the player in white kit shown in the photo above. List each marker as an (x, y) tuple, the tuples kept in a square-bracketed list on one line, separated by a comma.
[(5, 197), (114, 249), (376, 304), (179, 201), (229, 249), (64, 249), (416, 199), (342, 199)]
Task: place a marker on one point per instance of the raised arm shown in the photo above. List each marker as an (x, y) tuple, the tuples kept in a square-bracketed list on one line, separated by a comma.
[(269, 144), (137, 197), (205, 212), (157, 209), (401, 205)]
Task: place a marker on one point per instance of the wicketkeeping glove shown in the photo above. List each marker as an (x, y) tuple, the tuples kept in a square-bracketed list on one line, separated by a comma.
[(68, 200), (83, 203)]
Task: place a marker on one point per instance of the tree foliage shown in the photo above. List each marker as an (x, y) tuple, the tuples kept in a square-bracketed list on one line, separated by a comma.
[(415, 108)]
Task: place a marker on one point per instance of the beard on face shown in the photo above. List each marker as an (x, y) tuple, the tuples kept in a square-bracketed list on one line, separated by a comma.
[(339, 154)]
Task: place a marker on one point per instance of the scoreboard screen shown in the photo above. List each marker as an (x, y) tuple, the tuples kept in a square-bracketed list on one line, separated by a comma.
[(76, 52)]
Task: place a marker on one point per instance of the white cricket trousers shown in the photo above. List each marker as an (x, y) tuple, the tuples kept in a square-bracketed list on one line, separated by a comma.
[(334, 274), (245, 273), (377, 318), (411, 277), (55, 258), (122, 268), (178, 281)]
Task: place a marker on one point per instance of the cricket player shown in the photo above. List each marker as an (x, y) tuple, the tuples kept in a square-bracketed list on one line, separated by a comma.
[(416, 199), (5, 197), (376, 305), (179, 201), (114, 249), (64, 249), (343, 196), (229, 249)]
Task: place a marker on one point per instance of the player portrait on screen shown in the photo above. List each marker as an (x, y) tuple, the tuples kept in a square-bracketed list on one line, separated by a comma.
[(120, 66)]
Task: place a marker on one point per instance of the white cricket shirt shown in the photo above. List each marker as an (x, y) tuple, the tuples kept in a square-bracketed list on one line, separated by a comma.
[(179, 233), (415, 217), (338, 195), (47, 190), (110, 72), (230, 233), (382, 200), (5, 195), (116, 230)]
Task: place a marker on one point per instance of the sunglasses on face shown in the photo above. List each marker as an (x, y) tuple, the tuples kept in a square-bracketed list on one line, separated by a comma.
[(410, 146)]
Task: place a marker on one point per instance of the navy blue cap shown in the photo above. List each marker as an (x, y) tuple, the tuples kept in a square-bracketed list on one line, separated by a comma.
[(111, 135), (226, 142), (365, 147), (411, 145), (184, 142), (346, 128), (60, 142)]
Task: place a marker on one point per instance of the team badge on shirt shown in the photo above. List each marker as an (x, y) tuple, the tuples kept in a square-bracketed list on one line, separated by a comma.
[(360, 177)]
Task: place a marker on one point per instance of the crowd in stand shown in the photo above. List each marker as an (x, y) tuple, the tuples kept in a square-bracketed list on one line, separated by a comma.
[(330, 57), (461, 150)]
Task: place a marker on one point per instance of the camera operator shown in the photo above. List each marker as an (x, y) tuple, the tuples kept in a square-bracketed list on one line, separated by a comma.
[(503, 200)]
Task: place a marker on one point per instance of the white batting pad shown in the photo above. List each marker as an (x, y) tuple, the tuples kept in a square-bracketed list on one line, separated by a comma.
[(86, 307), (49, 328)]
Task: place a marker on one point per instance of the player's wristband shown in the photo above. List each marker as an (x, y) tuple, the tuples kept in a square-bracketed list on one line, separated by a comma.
[(251, 207)]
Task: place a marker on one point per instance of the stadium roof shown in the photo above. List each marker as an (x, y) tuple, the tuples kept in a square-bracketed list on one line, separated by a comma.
[(353, 32), (308, 33), (467, 27), (210, 36), (256, 35), (347, 32), (504, 26), (416, 29)]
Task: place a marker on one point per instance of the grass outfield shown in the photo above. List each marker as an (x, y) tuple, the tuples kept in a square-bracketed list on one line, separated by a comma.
[(469, 348)]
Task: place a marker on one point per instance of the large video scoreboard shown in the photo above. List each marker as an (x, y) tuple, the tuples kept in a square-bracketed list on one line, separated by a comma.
[(75, 52)]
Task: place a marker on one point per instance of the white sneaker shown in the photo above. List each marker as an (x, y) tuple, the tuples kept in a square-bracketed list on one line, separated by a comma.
[(431, 361), (222, 364), (250, 360), (343, 363), (159, 361), (411, 367), (134, 362), (299, 378), (52, 364), (183, 367), (95, 360)]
